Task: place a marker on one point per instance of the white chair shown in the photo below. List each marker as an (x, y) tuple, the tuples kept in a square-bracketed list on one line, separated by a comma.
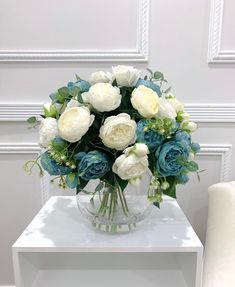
[(219, 262)]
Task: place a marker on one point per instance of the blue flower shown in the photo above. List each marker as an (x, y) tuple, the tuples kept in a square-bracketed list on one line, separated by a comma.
[(149, 84), (181, 135), (94, 164), (52, 167), (170, 158), (84, 86), (151, 138), (195, 147), (182, 179)]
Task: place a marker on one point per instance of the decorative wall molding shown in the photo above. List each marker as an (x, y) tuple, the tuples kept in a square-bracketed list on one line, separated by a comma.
[(225, 153), (140, 54), (19, 112), (199, 112), (209, 113), (28, 148), (215, 53)]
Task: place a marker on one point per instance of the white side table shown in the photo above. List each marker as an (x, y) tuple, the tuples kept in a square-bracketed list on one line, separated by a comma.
[(59, 249)]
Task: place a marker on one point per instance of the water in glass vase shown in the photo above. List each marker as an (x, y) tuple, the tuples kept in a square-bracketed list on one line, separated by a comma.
[(114, 210)]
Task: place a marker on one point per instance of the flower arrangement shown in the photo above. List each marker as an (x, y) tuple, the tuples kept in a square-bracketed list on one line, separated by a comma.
[(113, 128)]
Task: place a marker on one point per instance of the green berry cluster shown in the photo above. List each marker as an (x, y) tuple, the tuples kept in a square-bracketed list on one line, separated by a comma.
[(61, 158)]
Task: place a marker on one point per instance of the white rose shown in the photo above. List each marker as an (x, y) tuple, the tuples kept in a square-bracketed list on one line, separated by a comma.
[(48, 130), (74, 123), (118, 131), (145, 101), (103, 97), (176, 104), (166, 110), (126, 75), (101, 77), (130, 166)]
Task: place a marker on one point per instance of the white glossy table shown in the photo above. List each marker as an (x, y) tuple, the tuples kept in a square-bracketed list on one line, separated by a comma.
[(60, 249)]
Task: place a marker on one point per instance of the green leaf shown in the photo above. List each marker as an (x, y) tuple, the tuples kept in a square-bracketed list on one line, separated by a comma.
[(59, 98), (192, 166), (122, 183), (75, 91), (79, 98), (64, 92), (167, 90), (109, 178), (99, 187), (158, 75), (171, 191), (81, 184), (150, 71), (32, 120), (71, 180), (77, 77), (157, 204)]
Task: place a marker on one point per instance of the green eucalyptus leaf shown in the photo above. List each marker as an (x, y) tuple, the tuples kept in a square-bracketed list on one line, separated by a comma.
[(32, 120), (167, 90), (64, 92), (158, 75), (192, 166), (150, 71), (81, 184)]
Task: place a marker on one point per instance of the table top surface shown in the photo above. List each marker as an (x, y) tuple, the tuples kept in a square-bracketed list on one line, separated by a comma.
[(59, 227)]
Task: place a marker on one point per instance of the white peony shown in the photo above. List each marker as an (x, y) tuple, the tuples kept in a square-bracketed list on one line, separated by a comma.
[(72, 103), (145, 101), (126, 75), (130, 166), (48, 130), (139, 149), (166, 110), (103, 97), (101, 77), (118, 131), (74, 123), (176, 104)]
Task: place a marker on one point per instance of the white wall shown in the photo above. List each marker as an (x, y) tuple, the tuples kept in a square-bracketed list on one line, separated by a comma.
[(44, 43)]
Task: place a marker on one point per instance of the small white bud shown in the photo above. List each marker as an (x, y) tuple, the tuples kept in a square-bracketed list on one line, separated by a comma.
[(165, 185)]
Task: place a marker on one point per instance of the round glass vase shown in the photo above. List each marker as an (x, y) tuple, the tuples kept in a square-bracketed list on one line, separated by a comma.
[(114, 210)]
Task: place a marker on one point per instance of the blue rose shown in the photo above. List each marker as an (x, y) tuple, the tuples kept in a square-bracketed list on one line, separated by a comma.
[(195, 147), (182, 178), (93, 164), (84, 86), (151, 138), (149, 84), (181, 135), (170, 158), (52, 167)]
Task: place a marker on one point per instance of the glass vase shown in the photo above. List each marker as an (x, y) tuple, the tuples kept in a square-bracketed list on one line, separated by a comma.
[(114, 210)]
